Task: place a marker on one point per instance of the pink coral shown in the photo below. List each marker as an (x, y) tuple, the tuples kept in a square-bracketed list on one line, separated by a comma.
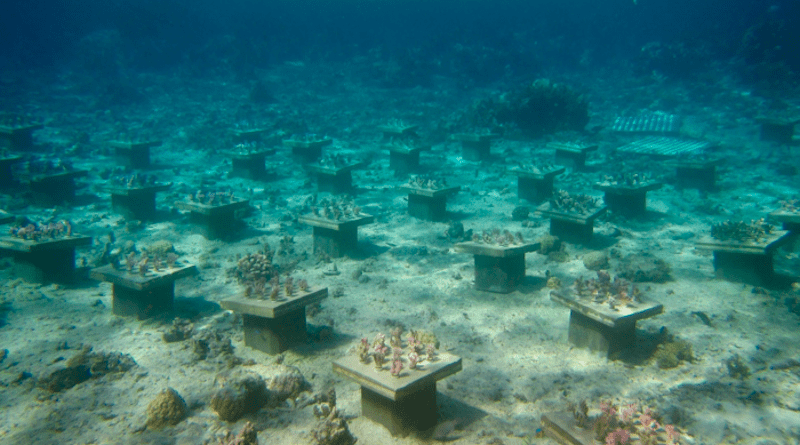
[(618, 437)]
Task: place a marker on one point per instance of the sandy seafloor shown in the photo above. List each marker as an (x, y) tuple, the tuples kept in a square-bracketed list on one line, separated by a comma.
[(517, 363)]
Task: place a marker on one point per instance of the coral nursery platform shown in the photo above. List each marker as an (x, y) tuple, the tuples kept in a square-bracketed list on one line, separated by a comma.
[(404, 403), (272, 326)]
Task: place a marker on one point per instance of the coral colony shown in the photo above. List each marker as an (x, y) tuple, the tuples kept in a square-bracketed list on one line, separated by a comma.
[(133, 181), (740, 231), (421, 182), (246, 148), (378, 352), (538, 168), (42, 232), (146, 262), (497, 238), (625, 180), (603, 290), (626, 424), (565, 202), (212, 198), (343, 209)]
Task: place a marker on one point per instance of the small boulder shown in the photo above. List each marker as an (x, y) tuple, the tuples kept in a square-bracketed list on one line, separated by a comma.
[(595, 260)]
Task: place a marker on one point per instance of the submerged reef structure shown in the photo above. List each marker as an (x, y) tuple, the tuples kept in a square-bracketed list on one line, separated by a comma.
[(397, 130), (537, 108), (698, 172), (42, 252), (399, 392), (7, 163)]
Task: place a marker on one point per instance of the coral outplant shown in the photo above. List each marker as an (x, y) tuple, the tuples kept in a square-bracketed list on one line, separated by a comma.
[(539, 168), (212, 198), (496, 237), (133, 181), (415, 345), (28, 230), (790, 205), (603, 290), (740, 231), (343, 209), (246, 148), (335, 161), (625, 180), (426, 183), (626, 424), (563, 201)]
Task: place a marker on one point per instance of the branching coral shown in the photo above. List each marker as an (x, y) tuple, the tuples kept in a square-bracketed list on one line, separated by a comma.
[(28, 230), (336, 209), (626, 180), (602, 290), (573, 203), (428, 183), (620, 425), (740, 231), (498, 238)]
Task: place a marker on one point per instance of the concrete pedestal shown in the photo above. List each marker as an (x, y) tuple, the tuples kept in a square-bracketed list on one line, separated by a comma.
[(335, 179), (428, 204), (307, 151), (134, 154), (20, 137), (142, 296), (335, 238), (536, 187), (249, 165), (136, 202), (497, 268), (628, 201), (701, 175), (6, 171), (749, 262), (404, 160), (571, 155), (780, 130), (475, 147), (55, 189), (217, 221), (571, 227), (403, 404), (597, 327), (44, 261)]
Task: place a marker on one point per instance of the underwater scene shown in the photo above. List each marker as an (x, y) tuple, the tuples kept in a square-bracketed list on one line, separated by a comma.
[(308, 222)]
